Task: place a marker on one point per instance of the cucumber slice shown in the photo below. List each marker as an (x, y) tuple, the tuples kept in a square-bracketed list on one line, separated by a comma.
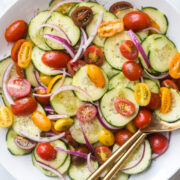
[(37, 35), (67, 25), (65, 102), (154, 87), (91, 129), (108, 110), (142, 35), (12, 147), (120, 176), (81, 80), (60, 156)]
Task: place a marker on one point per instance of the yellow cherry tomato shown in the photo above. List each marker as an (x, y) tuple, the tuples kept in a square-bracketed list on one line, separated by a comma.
[(6, 117), (41, 121), (96, 75), (174, 69), (45, 79), (106, 137), (63, 124), (131, 127)]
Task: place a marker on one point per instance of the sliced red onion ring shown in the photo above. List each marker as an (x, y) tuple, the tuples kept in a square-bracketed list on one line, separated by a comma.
[(63, 78), (38, 79), (152, 28), (84, 33), (4, 83), (42, 95), (48, 134), (61, 72), (91, 169), (57, 116), (162, 76), (49, 168), (63, 42), (139, 47), (39, 88), (48, 108), (142, 79)]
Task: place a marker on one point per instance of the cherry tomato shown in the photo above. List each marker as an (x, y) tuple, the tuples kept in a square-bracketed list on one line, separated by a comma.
[(136, 21), (82, 16), (175, 66), (102, 153), (55, 59), (94, 55), (16, 31), (86, 113), (169, 84), (6, 117), (46, 151), (143, 118), (20, 71), (131, 127), (63, 124), (124, 107), (132, 70), (122, 136), (155, 25), (45, 79), (178, 82), (70, 139), (119, 6), (18, 87), (155, 101), (106, 137), (43, 100), (129, 50), (159, 143), (73, 67), (24, 106)]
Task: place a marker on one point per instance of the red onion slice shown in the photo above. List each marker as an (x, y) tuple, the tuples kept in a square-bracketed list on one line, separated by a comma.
[(152, 28), (38, 79), (162, 76), (58, 116), (61, 72), (142, 79), (84, 33), (48, 108), (63, 78), (90, 168), (42, 95), (39, 88)]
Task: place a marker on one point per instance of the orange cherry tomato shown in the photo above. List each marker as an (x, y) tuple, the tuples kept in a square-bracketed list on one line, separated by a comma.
[(174, 69), (110, 28), (96, 75), (52, 82), (154, 24), (43, 100)]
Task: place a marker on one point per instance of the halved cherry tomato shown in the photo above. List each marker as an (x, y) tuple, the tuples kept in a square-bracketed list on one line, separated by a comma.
[(174, 69), (55, 59), (52, 82), (129, 50), (43, 100), (86, 112), (41, 121), (143, 118), (102, 153), (20, 71), (142, 94), (18, 87), (106, 137), (178, 82), (124, 106), (131, 127), (24, 106), (159, 143), (70, 139), (169, 84), (122, 136), (110, 28), (96, 75), (63, 124), (16, 31), (154, 24), (24, 54), (136, 21), (165, 94), (132, 70), (82, 16), (45, 79), (94, 55), (46, 151), (155, 101), (6, 117), (15, 49)]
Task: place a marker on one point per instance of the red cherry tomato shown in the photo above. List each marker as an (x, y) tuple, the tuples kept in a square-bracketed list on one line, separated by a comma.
[(136, 21), (94, 55), (16, 31), (86, 112), (132, 70), (24, 106), (129, 50), (143, 118), (18, 87), (102, 153), (46, 151), (20, 71), (43, 100), (159, 143), (155, 101), (122, 136), (124, 107), (169, 84), (55, 59), (178, 82)]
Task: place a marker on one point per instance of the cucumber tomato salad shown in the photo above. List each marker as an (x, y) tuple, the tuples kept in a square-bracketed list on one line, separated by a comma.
[(81, 80)]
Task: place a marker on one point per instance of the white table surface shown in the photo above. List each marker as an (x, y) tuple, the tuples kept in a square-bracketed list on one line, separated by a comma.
[(4, 175)]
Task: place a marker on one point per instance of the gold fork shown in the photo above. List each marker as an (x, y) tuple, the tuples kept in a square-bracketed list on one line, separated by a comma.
[(156, 125)]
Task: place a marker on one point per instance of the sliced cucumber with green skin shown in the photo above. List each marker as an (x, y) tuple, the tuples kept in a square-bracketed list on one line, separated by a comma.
[(99, 41), (67, 25), (158, 17), (91, 128), (81, 80), (120, 176), (142, 35), (60, 156), (65, 102), (121, 81), (161, 52), (108, 110), (153, 86), (12, 147), (35, 34), (174, 112)]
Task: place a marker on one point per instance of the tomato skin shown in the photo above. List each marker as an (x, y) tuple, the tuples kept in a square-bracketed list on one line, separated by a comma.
[(20, 71), (16, 31), (46, 152), (106, 137), (136, 21), (6, 117), (132, 70), (24, 106), (169, 84), (155, 101), (70, 139), (119, 6), (43, 100), (55, 59), (159, 143), (143, 118), (122, 136)]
